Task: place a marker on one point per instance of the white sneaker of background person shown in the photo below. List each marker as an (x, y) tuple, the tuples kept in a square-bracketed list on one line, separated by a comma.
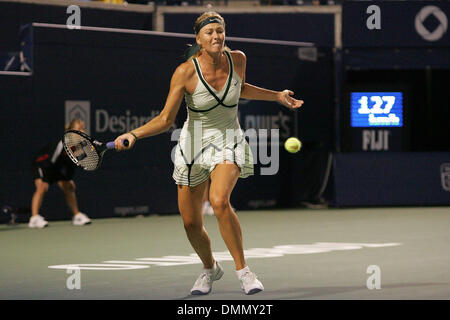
[(203, 284), (37, 221), (249, 283), (80, 219), (207, 209)]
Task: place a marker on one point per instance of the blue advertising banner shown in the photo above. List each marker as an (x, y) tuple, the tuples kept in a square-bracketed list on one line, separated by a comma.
[(388, 179), (395, 24)]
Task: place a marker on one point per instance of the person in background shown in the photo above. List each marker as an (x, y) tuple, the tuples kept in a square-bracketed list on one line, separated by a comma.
[(53, 165)]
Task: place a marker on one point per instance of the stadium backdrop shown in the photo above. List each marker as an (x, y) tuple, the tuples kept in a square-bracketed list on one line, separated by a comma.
[(109, 77)]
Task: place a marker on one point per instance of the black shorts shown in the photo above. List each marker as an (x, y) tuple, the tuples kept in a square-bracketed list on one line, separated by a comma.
[(52, 174)]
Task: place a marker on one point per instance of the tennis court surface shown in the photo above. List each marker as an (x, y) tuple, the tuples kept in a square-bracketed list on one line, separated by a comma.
[(401, 253)]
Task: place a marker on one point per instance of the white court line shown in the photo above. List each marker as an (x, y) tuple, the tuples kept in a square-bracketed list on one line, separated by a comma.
[(276, 251)]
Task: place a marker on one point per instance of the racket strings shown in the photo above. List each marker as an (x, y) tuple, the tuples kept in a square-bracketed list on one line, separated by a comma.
[(81, 151)]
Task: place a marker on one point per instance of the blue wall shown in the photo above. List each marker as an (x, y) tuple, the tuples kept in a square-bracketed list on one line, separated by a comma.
[(127, 75), (304, 27), (15, 14), (392, 179)]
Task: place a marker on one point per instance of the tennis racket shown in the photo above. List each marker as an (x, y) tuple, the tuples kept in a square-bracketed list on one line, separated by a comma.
[(85, 151)]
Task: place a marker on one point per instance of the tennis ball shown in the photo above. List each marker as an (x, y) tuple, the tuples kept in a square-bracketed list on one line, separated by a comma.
[(292, 145)]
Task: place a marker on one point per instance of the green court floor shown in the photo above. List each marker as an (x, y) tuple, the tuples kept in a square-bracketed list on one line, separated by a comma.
[(297, 254)]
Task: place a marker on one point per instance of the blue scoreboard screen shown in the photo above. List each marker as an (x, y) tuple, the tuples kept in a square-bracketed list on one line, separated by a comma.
[(376, 109)]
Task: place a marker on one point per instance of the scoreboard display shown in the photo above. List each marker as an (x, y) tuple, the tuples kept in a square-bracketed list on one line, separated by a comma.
[(376, 109), (375, 118)]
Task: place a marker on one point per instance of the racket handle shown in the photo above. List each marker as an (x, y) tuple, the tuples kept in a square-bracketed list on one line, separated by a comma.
[(111, 145)]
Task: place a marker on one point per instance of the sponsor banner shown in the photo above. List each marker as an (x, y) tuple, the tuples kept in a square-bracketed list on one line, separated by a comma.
[(376, 139), (79, 110), (133, 210), (445, 176), (396, 24), (390, 178)]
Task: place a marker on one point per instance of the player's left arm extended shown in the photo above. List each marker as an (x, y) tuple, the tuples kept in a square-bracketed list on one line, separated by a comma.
[(252, 92), (284, 97)]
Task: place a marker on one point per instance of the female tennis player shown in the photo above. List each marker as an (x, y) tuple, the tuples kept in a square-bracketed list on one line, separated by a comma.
[(211, 82)]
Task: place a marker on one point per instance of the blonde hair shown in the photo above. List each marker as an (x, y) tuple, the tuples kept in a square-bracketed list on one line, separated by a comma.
[(70, 125), (200, 19), (206, 15)]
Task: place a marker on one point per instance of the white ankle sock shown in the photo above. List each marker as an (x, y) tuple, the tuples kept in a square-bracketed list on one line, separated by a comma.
[(212, 269), (239, 273)]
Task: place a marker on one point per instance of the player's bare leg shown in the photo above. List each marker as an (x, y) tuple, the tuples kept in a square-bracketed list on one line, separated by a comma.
[(206, 193), (223, 179), (38, 196), (36, 220), (68, 187), (190, 206)]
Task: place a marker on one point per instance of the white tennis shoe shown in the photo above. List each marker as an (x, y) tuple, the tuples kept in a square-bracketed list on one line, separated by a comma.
[(249, 282), (207, 209), (203, 284), (37, 221), (80, 219)]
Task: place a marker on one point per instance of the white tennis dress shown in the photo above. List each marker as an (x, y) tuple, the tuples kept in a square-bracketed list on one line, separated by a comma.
[(211, 134)]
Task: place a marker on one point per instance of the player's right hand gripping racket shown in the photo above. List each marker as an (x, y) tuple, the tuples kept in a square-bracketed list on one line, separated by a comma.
[(85, 151)]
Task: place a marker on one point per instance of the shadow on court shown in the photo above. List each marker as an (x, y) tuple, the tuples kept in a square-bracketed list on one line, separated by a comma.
[(313, 293), (318, 292)]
